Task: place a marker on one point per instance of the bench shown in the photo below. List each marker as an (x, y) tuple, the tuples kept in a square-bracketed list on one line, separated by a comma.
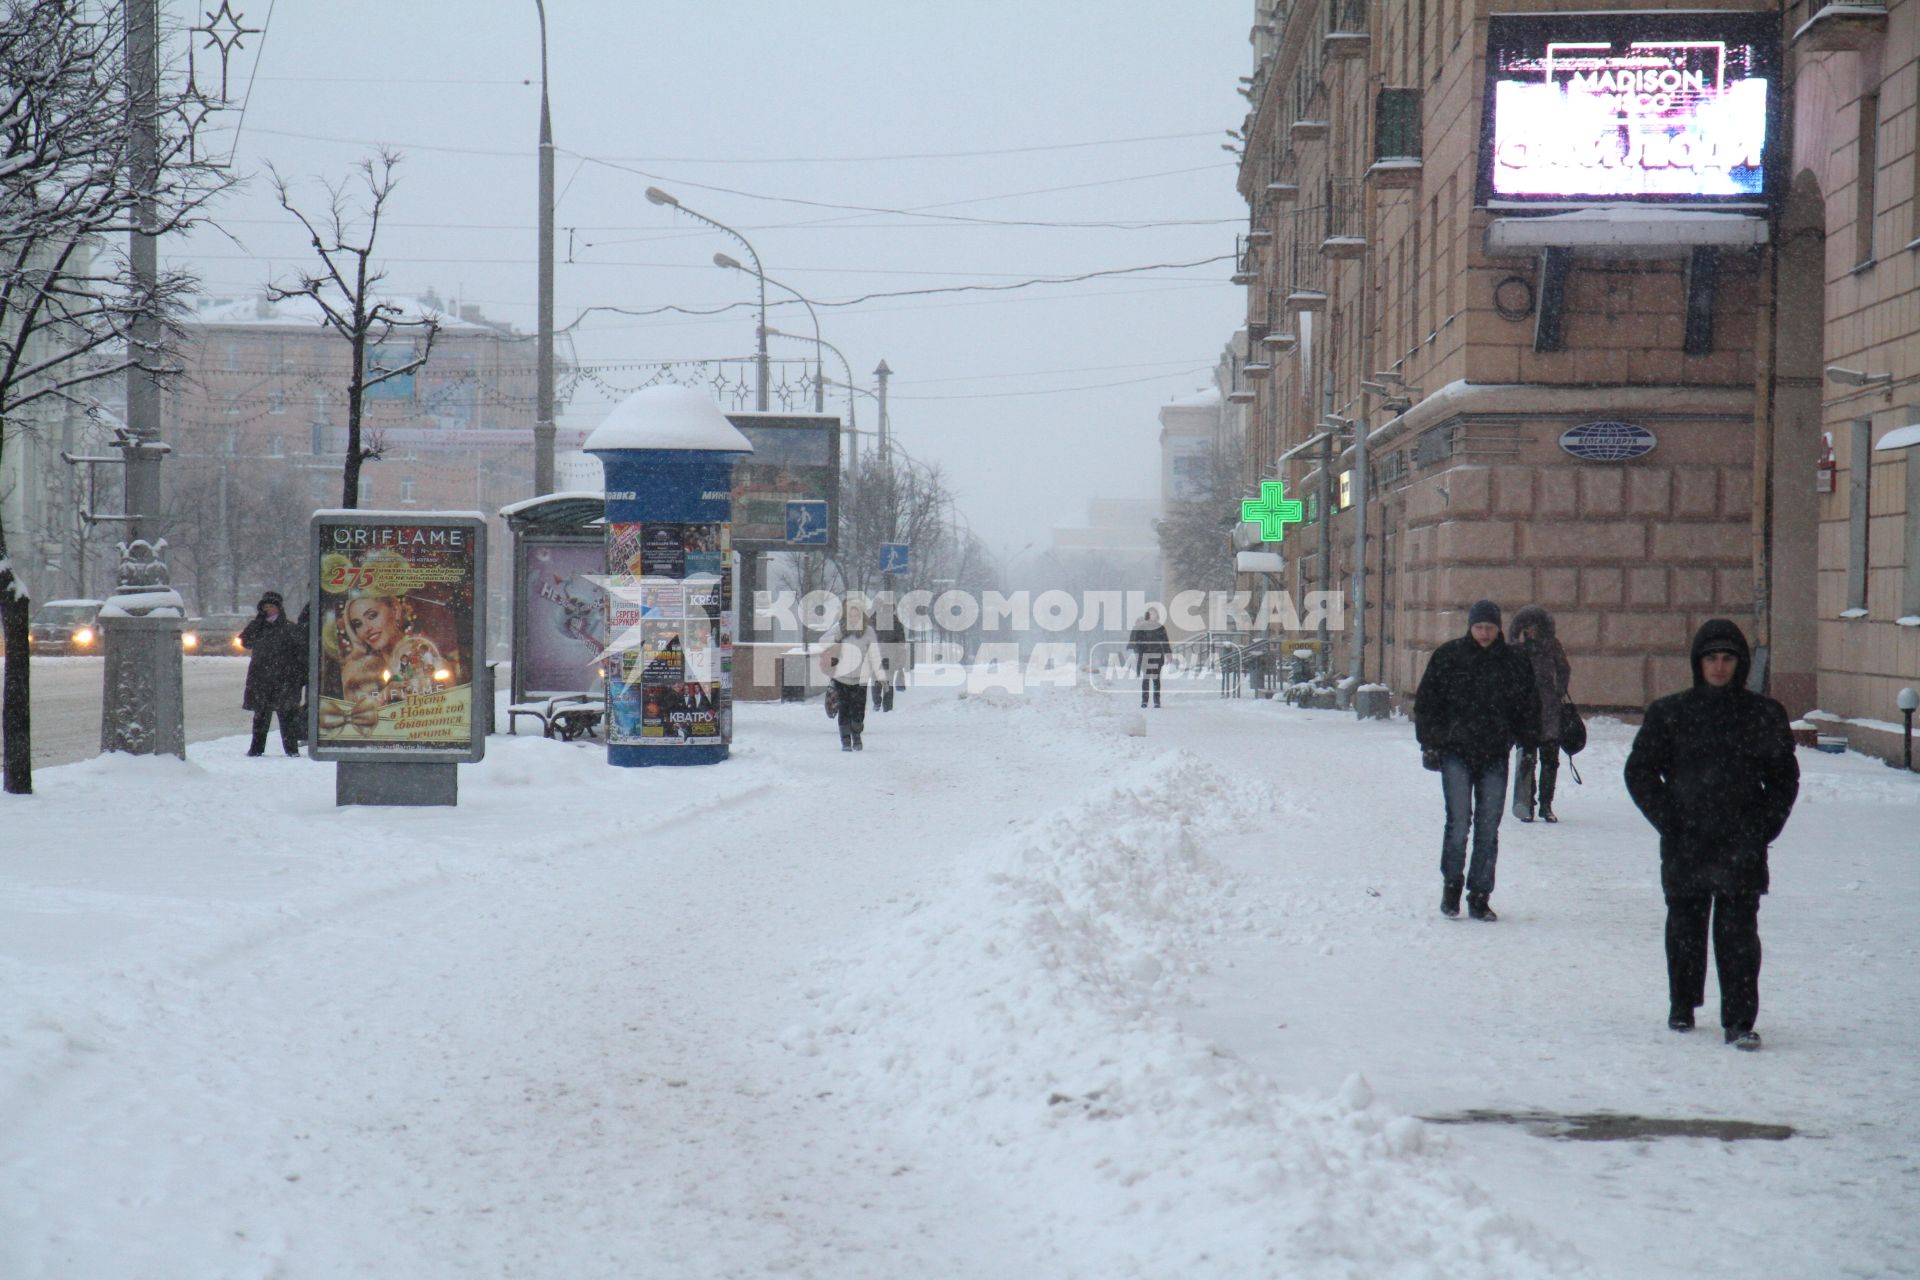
[(566, 716)]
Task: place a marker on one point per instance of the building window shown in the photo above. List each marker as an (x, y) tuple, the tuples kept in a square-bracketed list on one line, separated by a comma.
[(406, 490), (366, 491), (1396, 133), (1859, 485), (1864, 179), (276, 401), (276, 447)]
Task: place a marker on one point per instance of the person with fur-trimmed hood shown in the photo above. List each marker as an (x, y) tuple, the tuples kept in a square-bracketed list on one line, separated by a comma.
[(1713, 770), (1476, 700), (276, 672), (1531, 634)]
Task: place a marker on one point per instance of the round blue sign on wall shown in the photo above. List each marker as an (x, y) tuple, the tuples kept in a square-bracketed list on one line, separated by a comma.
[(1607, 441)]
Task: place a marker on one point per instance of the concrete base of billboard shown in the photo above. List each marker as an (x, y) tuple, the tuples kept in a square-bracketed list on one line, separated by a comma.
[(631, 757), (388, 782)]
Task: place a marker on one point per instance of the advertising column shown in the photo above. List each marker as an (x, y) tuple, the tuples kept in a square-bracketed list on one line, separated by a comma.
[(669, 456), (393, 647)]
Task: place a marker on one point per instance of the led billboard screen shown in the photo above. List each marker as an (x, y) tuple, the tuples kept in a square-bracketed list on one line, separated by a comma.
[(1590, 108)]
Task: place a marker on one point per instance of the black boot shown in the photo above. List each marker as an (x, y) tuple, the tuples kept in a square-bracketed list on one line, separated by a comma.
[(1680, 1018), (846, 740), (1450, 898), (1477, 908), (857, 744)]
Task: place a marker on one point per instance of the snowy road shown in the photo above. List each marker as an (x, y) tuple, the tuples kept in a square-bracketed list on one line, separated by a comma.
[(1014, 992)]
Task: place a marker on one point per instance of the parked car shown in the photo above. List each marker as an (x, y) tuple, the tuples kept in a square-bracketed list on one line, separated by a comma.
[(216, 635), (65, 626)]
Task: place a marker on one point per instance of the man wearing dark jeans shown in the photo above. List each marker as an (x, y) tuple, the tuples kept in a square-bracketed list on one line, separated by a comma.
[(1713, 770), (1475, 701), (1150, 648)]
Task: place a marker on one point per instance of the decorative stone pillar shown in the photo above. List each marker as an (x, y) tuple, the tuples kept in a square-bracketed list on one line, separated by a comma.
[(141, 708)]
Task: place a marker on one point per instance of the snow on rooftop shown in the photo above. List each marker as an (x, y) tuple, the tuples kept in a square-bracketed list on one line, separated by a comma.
[(257, 311), (1198, 400), (667, 417)]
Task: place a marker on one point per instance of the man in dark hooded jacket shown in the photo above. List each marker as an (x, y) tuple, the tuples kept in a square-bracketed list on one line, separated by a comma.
[(275, 673), (1476, 700), (1149, 644), (1713, 770)]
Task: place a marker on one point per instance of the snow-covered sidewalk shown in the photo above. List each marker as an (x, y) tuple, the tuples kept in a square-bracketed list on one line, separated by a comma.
[(1020, 990)]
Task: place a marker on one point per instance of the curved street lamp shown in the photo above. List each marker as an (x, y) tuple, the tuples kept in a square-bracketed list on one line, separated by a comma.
[(656, 196), (734, 264)]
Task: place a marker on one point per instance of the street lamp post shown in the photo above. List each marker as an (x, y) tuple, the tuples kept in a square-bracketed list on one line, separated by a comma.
[(543, 428), (883, 373), (656, 196), (734, 264)]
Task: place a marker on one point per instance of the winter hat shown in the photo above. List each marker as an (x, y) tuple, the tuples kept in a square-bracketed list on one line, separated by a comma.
[(1483, 611), (272, 598), (1721, 635)]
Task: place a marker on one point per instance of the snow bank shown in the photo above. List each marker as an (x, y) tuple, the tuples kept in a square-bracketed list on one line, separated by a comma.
[(1027, 1016)]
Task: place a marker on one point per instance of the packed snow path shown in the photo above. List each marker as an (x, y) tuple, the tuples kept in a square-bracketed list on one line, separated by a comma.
[(1020, 990)]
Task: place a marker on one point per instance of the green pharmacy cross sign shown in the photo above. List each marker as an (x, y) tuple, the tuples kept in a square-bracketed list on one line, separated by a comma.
[(1273, 512)]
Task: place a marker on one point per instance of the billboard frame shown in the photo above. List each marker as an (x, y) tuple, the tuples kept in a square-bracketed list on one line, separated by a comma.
[(474, 749), (752, 425)]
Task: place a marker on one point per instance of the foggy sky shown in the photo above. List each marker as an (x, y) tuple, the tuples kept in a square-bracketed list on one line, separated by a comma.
[(806, 102)]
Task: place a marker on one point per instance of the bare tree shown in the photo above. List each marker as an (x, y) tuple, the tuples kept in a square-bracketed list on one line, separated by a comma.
[(71, 177), (346, 289), (894, 500), (1195, 535)]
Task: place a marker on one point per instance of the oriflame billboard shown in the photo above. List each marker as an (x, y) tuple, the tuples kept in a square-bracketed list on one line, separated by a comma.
[(1591, 108)]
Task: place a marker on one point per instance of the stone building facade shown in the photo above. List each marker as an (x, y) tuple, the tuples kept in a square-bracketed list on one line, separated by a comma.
[(257, 422), (1581, 404)]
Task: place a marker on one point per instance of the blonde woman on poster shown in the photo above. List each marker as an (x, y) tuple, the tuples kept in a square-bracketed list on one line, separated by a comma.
[(383, 646)]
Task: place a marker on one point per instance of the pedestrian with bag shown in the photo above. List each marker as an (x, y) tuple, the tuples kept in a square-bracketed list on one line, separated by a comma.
[(276, 672), (1150, 647), (1531, 633), (850, 656), (1713, 769), (1475, 701), (892, 634)]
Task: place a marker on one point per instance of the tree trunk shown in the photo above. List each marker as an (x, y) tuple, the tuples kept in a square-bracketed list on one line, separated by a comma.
[(356, 385), (16, 714)]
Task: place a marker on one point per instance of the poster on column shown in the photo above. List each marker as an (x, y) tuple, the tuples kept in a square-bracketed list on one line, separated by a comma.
[(395, 634), (670, 624)]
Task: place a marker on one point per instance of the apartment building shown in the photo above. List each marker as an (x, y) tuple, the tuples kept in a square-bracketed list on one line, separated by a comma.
[(258, 421), (1513, 279)]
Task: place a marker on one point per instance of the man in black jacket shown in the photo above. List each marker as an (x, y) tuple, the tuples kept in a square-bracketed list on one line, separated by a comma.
[(1149, 644), (1476, 700), (1713, 770), (275, 673)]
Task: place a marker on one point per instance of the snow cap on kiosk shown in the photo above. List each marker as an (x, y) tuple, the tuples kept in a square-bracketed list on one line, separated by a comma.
[(667, 417)]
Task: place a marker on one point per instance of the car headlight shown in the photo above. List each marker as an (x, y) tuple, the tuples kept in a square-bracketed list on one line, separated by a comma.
[(83, 637), (237, 644), (188, 640)]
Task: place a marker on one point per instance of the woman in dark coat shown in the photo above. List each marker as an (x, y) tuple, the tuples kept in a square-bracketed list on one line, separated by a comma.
[(275, 673), (1531, 633)]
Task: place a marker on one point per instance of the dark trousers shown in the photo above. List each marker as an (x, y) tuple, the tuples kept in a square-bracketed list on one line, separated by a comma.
[(289, 732), (1474, 795), (883, 687), (853, 709), (1150, 679), (1736, 953)]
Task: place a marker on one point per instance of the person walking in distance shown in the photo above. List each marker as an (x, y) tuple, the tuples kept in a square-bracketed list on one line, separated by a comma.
[(1713, 770), (275, 673), (1531, 633), (1150, 647), (1476, 700), (851, 656)]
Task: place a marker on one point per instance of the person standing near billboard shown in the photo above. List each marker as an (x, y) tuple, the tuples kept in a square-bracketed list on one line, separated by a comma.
[(276, 672)]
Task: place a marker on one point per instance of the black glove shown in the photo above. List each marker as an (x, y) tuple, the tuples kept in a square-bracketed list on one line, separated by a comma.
[(1430, 759)]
